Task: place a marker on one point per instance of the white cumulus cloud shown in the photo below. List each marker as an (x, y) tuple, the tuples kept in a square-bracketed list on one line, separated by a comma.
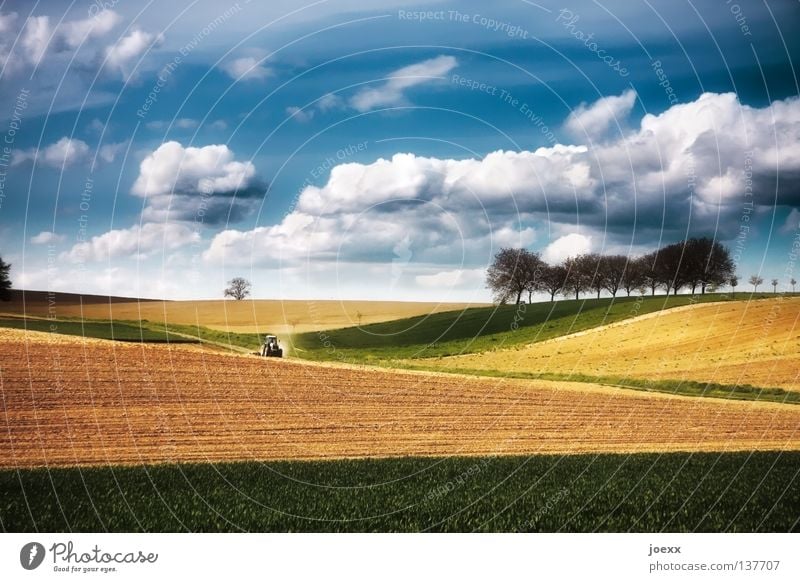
[(47, 237), (301, 115), (137, 240), (61, 154), (593, 121), (121, 55), (567, 246), (246, 69), (392, 91), (181, 182), (690, 164)]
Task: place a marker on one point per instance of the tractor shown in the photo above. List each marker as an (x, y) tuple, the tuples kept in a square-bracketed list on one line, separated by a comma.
[(271, 348)]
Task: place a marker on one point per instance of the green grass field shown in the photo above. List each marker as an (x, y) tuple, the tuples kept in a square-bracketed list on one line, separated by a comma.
[(750, 492), (248, 341), (120, 331), (485, 328), (136, 331)]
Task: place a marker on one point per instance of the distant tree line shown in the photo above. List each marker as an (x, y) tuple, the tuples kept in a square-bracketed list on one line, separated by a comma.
[(696, 264)]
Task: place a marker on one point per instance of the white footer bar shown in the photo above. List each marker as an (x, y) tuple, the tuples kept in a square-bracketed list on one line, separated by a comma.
[(354, 557)]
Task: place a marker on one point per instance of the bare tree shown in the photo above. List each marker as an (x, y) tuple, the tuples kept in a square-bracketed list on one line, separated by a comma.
[(755, 281), (238, 288), (650, 274), (613, 268), (5, 281), (634, 276), (719, 266), (534, 268), (553, 279), (580, 274), (774, 285), (511, 273), (592, 264), (670, 269), (705, 263)]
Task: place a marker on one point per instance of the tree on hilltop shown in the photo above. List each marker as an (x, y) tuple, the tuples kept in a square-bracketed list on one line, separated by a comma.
[(755, 281), (238, 288), (513, 272), (553, 279), (5, 281)]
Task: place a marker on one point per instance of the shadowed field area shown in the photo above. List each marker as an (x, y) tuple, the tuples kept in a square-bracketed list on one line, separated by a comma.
[(706, 492)]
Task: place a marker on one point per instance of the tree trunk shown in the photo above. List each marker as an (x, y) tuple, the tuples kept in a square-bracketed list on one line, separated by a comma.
[(576, 293), (529, 297), (703, 288), (519, 296), (552, 296), (598, 293)]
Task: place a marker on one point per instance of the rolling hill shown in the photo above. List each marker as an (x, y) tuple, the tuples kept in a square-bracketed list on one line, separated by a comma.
[(737, 343), (246, 317), (480, 329)]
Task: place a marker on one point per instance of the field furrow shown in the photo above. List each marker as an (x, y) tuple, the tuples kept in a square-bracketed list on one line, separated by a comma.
[(69, 401)]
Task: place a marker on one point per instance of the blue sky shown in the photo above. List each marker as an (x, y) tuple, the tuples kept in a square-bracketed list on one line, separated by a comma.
[(328, 151)]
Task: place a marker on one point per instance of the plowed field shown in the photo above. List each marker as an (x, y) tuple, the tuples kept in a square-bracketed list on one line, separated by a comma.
[(70, 401)]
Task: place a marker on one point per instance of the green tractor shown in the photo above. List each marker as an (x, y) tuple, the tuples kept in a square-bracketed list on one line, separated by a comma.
[(271, 348)]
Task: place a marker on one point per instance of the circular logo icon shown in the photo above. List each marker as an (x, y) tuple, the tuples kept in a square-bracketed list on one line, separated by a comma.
[(31, 555)]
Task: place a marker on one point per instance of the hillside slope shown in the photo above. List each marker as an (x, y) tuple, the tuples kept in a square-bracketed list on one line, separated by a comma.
[(734, 343), (248, 316), (482, 329), (74, 401)]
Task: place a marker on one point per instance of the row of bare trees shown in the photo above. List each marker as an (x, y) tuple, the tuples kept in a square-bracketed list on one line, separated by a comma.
[(755, 281), (696, 264)]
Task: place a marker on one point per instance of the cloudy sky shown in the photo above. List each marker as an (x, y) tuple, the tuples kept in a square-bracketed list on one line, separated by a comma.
[(327, 150)]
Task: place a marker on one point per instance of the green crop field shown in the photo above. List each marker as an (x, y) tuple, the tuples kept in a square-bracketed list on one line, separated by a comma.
[(751, 492), (479, 329), (248, 341), (136, 331), (120, 331)]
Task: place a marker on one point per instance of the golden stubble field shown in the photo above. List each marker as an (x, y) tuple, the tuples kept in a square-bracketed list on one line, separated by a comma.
[(756, 342), (74, 401), (247, 316)]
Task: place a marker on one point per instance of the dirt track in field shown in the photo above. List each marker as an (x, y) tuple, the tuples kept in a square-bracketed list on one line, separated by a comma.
[(740, 342), (70, 401)]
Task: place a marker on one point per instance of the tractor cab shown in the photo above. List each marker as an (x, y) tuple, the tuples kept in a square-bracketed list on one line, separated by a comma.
[(271, 348)]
